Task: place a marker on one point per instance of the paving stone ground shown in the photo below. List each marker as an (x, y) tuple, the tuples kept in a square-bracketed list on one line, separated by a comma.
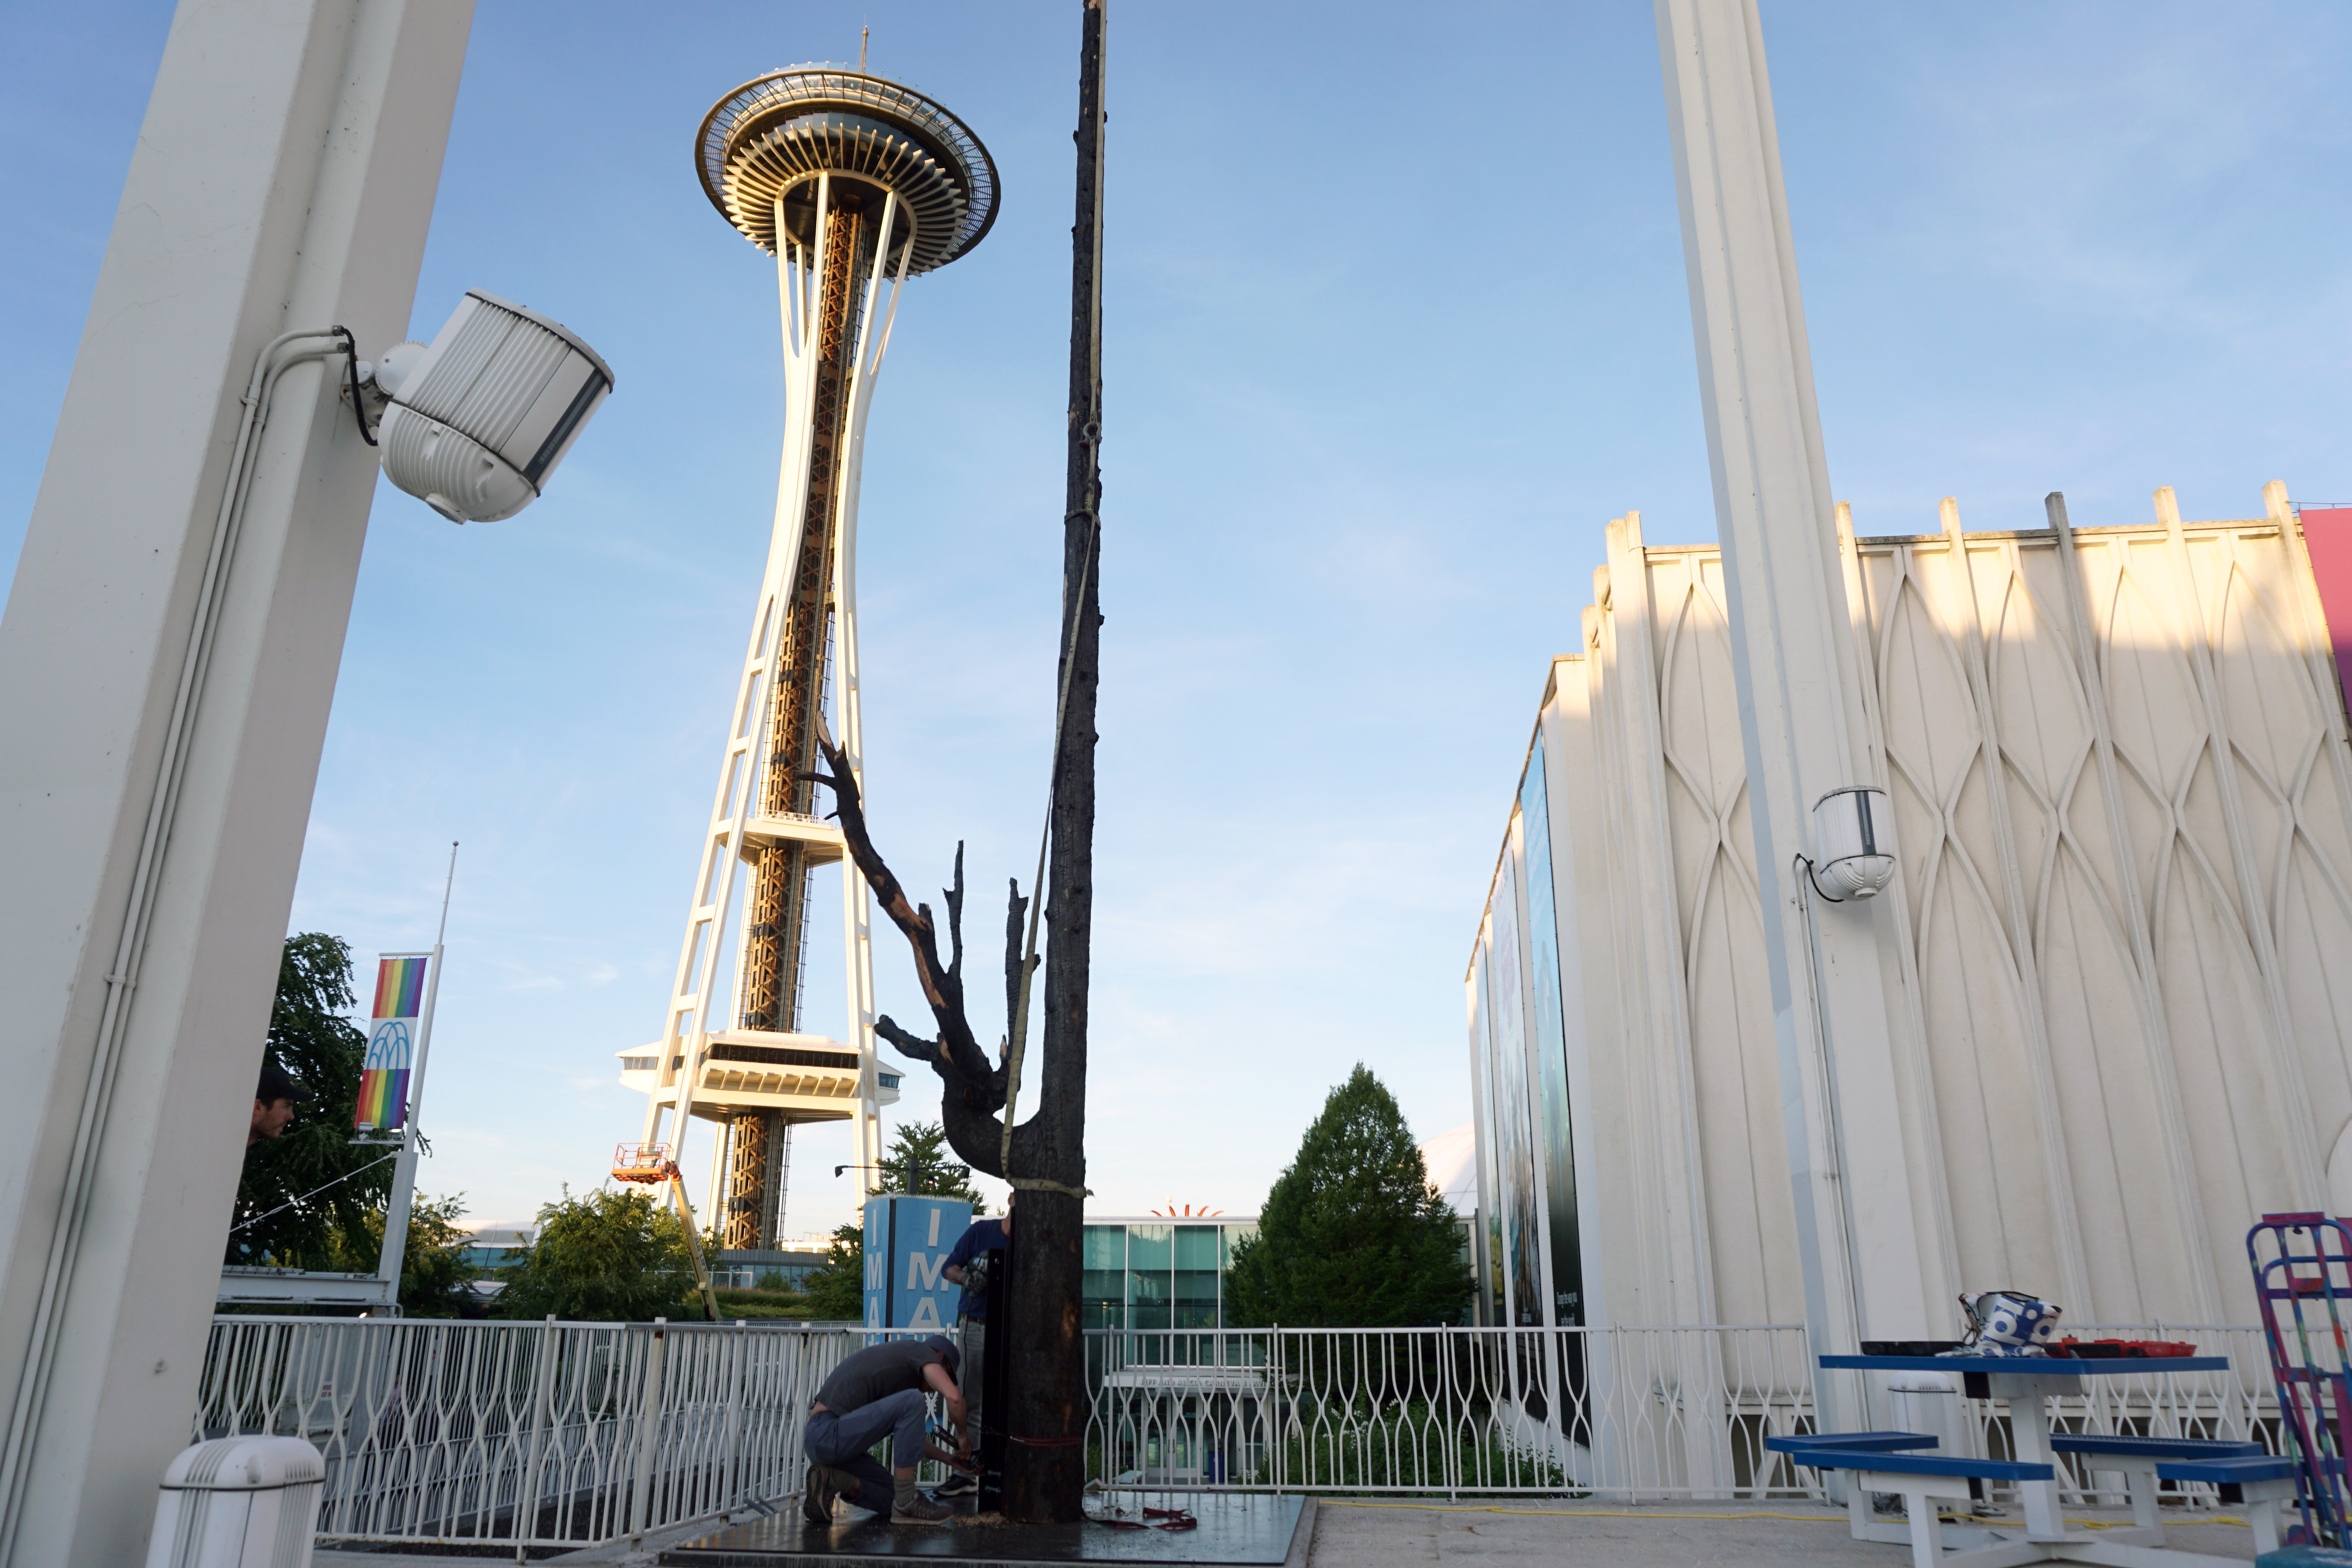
[(1350, 1534)]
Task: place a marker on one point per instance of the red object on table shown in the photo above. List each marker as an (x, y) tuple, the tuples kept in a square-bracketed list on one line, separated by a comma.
[(2135, 1349)]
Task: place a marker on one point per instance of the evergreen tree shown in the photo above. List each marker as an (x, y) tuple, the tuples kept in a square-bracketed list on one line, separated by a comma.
[(609, 1257), (303, 1191), (919, 1164), (434, 1281), (1352, 1236), (836, 1293)]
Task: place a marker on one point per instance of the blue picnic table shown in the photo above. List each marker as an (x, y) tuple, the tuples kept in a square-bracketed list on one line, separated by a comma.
[(2025, 1384)]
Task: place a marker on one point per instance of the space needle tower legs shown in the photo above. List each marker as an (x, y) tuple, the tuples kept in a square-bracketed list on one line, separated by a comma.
[(857, 903), (855, 184)]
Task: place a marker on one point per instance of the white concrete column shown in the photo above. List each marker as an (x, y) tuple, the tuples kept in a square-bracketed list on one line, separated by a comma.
[(1834, 983), (284, 177)]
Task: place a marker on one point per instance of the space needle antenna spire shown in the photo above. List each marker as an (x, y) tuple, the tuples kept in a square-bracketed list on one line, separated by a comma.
[(854, 184)]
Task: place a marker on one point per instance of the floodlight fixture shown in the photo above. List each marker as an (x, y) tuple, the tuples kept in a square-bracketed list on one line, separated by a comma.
[(475, 423), (1854, 844)]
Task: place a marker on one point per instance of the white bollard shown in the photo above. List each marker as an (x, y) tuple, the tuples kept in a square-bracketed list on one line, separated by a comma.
[(238, 1502)]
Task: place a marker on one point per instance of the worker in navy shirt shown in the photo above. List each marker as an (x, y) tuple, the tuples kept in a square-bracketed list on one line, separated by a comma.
[(967, 1266)]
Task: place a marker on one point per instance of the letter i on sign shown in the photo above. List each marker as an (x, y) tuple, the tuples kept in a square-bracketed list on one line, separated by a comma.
[(935, 1228)]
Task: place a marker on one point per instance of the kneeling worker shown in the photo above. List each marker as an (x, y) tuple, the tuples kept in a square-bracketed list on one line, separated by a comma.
[(876, 1393)]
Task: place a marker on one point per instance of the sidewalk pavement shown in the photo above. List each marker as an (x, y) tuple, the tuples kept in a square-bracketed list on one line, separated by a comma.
[(1350, 1533), (1354, 1533), (618, 1553)]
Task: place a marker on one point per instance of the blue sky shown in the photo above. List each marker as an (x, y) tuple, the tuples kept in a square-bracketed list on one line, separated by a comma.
[(1396, 321)]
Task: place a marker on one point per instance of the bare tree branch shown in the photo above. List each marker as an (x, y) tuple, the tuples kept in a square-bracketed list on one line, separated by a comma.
[(955, 918), (975, 1091), (1015, 906), (912, 1045)]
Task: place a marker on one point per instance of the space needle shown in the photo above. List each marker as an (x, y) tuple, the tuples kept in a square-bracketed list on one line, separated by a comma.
[(855, 184)]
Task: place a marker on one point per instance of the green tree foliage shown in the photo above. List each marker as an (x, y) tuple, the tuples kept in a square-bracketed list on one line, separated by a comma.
[(433, 1280), (1352, 1236), (920, 1164), (836, 1293), (762, 1303), (607, 1257), (292, 1208)]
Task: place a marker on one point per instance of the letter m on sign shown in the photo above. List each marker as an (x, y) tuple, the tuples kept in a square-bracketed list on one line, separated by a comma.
[(923, 1273)]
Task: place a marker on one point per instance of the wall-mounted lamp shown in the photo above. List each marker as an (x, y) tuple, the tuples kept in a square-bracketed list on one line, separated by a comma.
[(474, 423), (1854, 844)]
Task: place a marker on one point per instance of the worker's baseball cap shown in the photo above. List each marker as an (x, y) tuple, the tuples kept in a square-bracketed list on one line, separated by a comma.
[(275, 1086), (947, 1353)]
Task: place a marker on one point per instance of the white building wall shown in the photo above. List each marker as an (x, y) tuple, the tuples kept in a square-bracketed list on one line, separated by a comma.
[(2117, 760)]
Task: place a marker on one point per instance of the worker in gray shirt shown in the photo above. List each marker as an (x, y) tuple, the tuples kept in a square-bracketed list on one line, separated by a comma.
[(879, 1393)]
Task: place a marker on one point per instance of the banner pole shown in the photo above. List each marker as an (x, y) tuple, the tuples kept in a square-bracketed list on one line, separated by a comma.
[(404, 1180)]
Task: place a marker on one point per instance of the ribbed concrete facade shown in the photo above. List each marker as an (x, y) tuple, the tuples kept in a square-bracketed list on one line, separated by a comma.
[(2116, 757)]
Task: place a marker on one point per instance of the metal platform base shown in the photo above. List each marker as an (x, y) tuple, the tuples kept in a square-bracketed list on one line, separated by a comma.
[(1247, 1530)]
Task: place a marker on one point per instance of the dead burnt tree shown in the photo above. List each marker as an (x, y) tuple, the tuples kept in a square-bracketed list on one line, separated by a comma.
[(1044, 1158)]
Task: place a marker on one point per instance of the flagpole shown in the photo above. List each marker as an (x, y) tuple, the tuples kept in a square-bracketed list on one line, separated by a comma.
[(404, 1181)]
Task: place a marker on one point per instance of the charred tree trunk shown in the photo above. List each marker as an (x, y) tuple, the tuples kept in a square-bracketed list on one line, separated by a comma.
[(1045, 1409), (1044, 1471)]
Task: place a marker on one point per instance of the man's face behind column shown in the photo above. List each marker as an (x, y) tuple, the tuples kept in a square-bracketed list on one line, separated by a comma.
[(270, 1119)]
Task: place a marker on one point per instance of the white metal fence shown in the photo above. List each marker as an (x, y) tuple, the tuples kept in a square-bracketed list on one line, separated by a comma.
[(564, 1434), (546, 1433), (1638, 1414)]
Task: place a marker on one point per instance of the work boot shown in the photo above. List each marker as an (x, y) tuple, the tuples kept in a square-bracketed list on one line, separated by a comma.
[(913, 1507), (825, 1484)]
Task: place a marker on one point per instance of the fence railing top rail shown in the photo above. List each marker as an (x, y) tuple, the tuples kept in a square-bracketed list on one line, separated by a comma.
[(1471, 1329), (486, 1325)]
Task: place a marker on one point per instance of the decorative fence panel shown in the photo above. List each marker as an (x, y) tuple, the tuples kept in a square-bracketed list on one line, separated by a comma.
[(568, 1434), (549, 1434)]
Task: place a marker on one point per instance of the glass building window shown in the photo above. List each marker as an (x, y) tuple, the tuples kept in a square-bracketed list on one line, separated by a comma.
[(1145, 1275), (1516, 1151), (1551, 1051), (1194, 1295), (1103, 1291), (1150, 1262), (1228, 1237)]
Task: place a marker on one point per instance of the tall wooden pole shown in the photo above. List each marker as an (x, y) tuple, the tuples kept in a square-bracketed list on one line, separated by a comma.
[(1042, 1421), (1045, 1470)]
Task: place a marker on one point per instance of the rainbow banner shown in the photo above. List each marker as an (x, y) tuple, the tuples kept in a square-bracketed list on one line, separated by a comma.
[(392, 1043)]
